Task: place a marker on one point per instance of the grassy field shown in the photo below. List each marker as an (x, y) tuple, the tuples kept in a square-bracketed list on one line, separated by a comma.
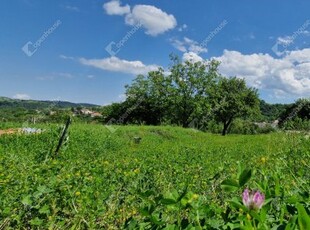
[(174, 178)]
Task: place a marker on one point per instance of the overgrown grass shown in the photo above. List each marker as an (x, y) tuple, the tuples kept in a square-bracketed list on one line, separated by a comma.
[(106, 180)]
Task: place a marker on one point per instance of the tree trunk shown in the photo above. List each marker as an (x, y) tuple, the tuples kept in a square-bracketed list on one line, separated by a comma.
[(224, 132), (226, 126)]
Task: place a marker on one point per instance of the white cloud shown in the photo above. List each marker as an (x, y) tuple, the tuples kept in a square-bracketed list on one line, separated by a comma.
[(122, 97), (21, 96), (302, 56), (179, 45), (53, 76), (118, 65), (305, 32), (66, 57), (287, 40), (182, 28), (114, 8), (188, 45), (288, 75), (192, 57), (72, 8), (154, 20)]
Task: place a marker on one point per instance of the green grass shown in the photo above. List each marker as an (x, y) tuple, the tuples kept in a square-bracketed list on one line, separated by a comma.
[(100, 179)]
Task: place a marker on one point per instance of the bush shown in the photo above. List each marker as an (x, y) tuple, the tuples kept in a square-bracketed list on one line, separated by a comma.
[(297, 124), (243, 127), (267, 129), (214, 127)]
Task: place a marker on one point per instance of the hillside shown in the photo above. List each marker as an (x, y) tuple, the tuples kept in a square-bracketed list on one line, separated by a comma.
[(7, 103)]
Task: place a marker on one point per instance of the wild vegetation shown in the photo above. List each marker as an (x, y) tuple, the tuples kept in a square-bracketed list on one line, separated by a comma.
[(172, 178)]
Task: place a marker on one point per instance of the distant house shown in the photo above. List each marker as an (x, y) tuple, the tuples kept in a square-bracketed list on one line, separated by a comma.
[(274, 124), (96, 114), (87, 112), (52, 113)]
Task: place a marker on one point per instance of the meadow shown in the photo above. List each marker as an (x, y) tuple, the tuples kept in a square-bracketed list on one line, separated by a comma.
[(174, 178)]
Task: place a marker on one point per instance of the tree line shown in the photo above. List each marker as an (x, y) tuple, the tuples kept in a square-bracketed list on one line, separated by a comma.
[(189, 94)]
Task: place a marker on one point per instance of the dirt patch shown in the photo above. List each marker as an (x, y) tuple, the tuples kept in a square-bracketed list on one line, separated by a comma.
[(9, 131), (24, 131)]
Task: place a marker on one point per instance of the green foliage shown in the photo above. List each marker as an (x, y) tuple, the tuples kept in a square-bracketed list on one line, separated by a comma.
[(296, 116), (271, 112), (230, 98), (191, 95), (243, 127), (297, 124), (176, 98), (240, 126), (173, 179)]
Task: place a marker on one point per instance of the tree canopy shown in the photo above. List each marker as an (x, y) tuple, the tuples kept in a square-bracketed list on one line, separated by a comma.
[(189, 91)]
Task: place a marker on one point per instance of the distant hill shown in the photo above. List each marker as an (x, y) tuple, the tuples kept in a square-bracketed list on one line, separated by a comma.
[(7, 103)]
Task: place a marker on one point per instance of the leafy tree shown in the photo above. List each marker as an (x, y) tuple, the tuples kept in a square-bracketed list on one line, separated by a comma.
[(190, 83), (177, 97), (147, 97), (230, 98)]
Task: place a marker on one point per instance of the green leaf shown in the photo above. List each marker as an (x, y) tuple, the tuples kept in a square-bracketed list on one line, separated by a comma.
[(27, 200), (277, 188), (145, 212), (303, 218), (36, 221), (236, 204), (245, 177), (229, 185), (182, 195), (44, 210), (155, 220), (167, 201)]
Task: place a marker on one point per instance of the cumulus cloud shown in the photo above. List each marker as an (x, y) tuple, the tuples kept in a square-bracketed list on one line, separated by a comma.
[(288, 75), (188, 45), (152, 19), (114, 8), (190, 48), (192, 57), (21, 96), (118, 65)]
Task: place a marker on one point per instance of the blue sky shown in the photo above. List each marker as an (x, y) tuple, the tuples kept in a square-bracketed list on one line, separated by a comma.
[(87, 50)]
